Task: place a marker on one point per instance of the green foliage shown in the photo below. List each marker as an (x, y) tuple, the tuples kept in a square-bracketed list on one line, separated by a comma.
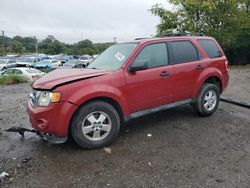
[(85, 44), (227, 21), (28, 43), (17, 47), (1, 52), (50, 45), (100, 47), (12, 79)]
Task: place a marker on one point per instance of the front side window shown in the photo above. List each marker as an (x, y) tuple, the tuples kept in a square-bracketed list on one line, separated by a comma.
[(113, 57), (155, 55), (211, 48), (10, 71), (184, 51)]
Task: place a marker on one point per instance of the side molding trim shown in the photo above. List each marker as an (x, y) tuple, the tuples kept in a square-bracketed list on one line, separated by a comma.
[(156, 109)]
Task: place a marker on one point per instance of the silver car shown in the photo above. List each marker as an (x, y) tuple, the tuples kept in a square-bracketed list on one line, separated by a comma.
[(7, 63)]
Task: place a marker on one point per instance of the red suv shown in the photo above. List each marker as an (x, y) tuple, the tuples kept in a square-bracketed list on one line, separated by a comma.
[(127, 81)]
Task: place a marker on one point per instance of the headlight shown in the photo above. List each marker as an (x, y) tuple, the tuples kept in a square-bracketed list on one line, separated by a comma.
[(44, 98)]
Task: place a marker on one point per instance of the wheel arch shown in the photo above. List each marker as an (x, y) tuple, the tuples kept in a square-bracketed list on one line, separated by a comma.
[(214, 80), (108, 100), (213, 77)]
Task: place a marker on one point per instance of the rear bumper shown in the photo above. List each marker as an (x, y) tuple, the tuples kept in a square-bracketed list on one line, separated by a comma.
[(53, 119)]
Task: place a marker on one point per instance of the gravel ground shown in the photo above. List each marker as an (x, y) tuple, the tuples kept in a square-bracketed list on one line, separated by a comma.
[(173, 148)]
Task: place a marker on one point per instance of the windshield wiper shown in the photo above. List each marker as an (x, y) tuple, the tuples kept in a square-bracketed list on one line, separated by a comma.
[(92, 68)]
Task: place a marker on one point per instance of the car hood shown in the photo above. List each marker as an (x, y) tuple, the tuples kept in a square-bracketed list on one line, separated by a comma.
[(64, 76), (2, 65)]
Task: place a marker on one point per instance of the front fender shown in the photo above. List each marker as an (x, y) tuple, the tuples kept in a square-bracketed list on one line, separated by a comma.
[(85, 94)]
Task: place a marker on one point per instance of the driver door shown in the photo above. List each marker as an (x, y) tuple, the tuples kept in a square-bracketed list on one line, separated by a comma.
[(153, 86)]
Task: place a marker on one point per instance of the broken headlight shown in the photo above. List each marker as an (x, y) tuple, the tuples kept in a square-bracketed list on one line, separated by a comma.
[(44, 98)]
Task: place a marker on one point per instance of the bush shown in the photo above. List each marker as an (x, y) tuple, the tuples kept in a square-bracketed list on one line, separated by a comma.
[(12, 79)]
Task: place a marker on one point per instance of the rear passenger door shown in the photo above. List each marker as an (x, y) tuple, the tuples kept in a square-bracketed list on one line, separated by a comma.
[(187, 68)]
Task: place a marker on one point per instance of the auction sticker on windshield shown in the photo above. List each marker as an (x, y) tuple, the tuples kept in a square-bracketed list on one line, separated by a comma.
[(119, 56)]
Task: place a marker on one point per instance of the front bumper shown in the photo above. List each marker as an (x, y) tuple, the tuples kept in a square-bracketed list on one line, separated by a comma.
[(53, 119)]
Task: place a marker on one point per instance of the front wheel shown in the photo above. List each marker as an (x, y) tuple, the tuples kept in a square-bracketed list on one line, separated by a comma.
[(208, 100), (95, 125)]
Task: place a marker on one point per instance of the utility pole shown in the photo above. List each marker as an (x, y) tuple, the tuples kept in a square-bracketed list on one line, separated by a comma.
[(4, 44)]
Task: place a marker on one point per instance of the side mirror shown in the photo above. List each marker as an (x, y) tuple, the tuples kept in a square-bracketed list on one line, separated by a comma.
[(138, 65)]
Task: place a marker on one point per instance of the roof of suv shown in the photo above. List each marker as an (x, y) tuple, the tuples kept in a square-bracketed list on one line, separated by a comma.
[(145, 40)]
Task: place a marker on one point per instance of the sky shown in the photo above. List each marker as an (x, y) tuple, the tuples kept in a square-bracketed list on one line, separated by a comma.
[(74, 20)]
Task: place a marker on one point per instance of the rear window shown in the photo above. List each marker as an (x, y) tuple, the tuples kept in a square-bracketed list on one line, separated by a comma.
[(210, 47), (184, 51)]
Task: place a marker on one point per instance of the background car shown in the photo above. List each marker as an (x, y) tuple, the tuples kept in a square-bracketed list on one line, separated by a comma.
[(47, 64), (27, 61), (74, 64), (30, 73), (86, 59), (64, 58), (7, 63)]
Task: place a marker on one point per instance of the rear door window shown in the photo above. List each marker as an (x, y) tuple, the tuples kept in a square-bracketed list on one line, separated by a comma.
[(210, 47), (17, 71), (184, 51), (154, 54)]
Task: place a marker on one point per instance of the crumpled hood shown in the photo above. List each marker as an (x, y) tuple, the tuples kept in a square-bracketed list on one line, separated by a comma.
[(63, 76)]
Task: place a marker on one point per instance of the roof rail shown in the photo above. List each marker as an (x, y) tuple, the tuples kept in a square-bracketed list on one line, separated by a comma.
[(141, 38), (182, 34)]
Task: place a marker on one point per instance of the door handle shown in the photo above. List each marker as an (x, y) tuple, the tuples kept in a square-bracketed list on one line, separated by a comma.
[(164, 74), (199, 67)]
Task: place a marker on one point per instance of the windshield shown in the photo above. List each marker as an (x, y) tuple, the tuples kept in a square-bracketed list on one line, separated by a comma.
[(113, 57), (33, 71), (71, 62), (2, 61), (83, 58), (25, 59)]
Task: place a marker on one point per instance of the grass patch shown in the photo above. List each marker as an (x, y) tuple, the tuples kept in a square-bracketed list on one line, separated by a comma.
[(12, 79)]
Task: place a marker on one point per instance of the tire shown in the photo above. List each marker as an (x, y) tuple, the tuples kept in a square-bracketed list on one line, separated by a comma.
[(208, 100), (95, 125)]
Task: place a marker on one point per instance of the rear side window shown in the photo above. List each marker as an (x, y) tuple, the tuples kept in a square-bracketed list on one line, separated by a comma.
[(17, 71), (184, 51), (155, 55), (211, 48)]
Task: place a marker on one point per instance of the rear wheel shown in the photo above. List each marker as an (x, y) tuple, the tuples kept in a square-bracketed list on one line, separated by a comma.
[(95, 125), (207, 100)]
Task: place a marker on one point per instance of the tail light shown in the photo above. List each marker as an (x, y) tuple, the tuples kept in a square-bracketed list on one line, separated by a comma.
[(227, 66)]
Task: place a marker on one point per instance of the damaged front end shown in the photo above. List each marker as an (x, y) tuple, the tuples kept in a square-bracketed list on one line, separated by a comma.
[(45, 136)]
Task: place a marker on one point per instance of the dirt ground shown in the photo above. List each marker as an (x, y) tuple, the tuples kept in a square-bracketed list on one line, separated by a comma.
[(173, 148)]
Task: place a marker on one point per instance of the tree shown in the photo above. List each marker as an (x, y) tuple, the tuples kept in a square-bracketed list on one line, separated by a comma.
[(85, 44), (17, 47), (29, 43), (50, 46), (227, 21), (1, 52)]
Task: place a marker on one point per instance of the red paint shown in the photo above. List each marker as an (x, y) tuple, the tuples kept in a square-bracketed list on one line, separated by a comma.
[(132, 91)]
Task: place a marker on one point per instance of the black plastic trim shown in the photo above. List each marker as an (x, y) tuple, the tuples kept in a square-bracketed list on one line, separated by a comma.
[(156, 109)]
